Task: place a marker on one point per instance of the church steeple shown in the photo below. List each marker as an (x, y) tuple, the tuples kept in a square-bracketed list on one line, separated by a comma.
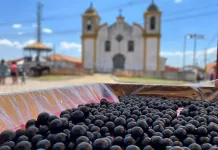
[(120, 18)]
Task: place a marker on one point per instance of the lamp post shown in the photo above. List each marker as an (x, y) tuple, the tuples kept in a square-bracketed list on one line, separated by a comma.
[(184, 49), (195, 37)]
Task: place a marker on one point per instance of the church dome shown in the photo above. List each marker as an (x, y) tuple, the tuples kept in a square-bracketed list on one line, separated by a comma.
[(152, 7), (91, 10)]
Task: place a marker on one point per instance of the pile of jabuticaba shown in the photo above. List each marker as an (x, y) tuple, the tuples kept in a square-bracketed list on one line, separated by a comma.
[(135, 123)]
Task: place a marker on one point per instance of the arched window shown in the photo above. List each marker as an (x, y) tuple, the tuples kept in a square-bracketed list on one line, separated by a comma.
[(152, 23)]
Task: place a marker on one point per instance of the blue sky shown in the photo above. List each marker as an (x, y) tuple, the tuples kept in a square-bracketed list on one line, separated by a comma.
[(62, 25)]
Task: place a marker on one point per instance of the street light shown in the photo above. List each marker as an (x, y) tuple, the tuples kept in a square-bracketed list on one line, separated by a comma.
[(195, 37), (188, 36)]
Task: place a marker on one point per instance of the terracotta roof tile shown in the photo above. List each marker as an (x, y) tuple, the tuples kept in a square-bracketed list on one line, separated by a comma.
[(58, 57)]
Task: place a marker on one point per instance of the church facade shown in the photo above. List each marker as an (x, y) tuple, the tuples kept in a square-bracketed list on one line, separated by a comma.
[(120, 45)]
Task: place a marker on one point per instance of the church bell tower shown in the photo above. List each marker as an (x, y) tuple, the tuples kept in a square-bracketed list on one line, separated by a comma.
[(90, 24), (152, 35)]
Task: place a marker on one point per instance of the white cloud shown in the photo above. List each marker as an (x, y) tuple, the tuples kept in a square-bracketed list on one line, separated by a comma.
[(189, 52), (16, 26), (70, 45), (178, 1), (47, 30), (15, 44)]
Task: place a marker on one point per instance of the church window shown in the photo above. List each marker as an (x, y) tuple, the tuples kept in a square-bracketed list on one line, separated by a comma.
[(131, 46), (152, 23), (89, 25), (119, 38), (107, 46)]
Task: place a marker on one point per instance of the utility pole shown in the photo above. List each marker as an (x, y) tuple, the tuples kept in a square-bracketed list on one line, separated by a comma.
[(39, 12), (205, 59), (194, 53), (184, 51), (217, 60)]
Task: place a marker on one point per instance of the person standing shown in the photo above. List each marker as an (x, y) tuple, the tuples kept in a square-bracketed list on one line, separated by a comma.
[(14, 72), (3, 70)]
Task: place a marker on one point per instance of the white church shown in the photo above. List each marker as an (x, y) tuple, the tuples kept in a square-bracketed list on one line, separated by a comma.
[(120, 45)]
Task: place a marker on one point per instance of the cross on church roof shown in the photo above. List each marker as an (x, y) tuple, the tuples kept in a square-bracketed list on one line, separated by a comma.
[(120, 12)]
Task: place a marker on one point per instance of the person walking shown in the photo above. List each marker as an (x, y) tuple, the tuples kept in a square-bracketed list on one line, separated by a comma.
[(3, 70), (14, 72)]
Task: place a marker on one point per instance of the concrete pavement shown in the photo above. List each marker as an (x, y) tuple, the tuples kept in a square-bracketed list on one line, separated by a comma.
[(35, 84)]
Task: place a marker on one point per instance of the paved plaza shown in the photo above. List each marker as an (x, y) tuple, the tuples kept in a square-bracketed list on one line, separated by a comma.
[(32, 84)]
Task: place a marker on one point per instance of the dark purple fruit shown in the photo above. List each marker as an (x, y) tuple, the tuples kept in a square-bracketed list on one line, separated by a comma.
[(95, 128), (167, 142), (120, 121), (110, 125), (190, 128), (77, 131), (22, 138), (146, 141), (43, 144), (180, 133), (215, 141), (77, 116), (148, 148), (143, 125), (104, 130), (96, 134), (42, 118), (212, 127), (118, 141), (177, 143), (5, 147), (7, 135), (82, 139), (131, 124), (43, 130), (203, 140), (31, 122), (176, 148), (55, 126), (158, 128), (71, 146), (156, 141), (61, 137), (119, 131), (206, 146), (65, 123), (52, 138), (129, 140), (99, 123), (137, 132), (132, 147), (20, 132), (167, 133), (201, 131), (58, 146), (11, 144), (23, 145), (188, 141), (51, 118), (115, 147), (101, 144), (194, 146), (36, 138), (90, 136)]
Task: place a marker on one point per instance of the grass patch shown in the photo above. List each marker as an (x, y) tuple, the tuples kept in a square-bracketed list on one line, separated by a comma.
[(148, 80), (53, 77)]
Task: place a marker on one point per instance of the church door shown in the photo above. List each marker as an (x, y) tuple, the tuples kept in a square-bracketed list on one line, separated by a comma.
[(118, 61)]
